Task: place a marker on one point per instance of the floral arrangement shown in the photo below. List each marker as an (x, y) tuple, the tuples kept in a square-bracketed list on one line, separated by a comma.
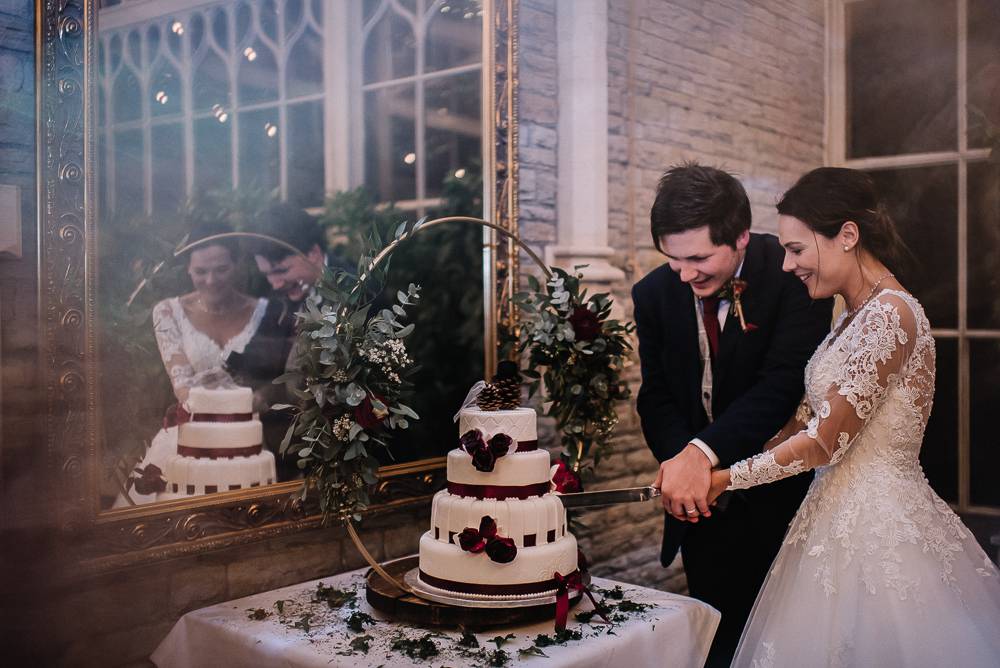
[(485, 539), (484, 454), (352, 368), (583, 352)]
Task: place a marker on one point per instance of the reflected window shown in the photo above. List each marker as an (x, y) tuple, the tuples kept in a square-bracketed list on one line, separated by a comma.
[(912, 70)]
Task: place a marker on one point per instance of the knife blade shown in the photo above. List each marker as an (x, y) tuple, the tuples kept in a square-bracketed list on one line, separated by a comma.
[(608, 497)]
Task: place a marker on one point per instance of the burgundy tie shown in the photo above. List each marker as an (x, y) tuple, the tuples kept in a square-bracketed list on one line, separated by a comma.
[(710, 311)]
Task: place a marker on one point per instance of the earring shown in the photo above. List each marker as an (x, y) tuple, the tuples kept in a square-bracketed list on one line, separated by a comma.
[(846, 248)]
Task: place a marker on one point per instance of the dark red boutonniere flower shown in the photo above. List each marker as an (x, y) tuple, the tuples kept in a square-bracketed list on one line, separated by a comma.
[(733, 291), (485, 539), (366, 415), (150, 480), (484, 455), (586, 326), (565, 480)]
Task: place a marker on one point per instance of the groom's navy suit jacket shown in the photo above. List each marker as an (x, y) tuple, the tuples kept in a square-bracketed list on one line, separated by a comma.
[(757, 375)]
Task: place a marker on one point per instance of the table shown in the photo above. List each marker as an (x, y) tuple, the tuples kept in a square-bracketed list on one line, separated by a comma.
[(310, 627)]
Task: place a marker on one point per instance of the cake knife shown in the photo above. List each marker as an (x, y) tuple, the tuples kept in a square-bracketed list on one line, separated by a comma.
[(608, 497)]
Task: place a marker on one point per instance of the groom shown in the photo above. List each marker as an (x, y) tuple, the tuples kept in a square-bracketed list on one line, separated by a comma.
[(722, 371)]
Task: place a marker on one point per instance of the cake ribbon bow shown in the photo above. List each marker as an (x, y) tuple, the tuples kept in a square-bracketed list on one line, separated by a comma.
[(565, 583)]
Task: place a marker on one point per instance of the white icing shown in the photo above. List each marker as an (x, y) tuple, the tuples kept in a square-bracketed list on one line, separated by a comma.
[(514, 468), (220, 400), (515, 518), (521, 424), (220, 434), (532, 564), (235, 472)]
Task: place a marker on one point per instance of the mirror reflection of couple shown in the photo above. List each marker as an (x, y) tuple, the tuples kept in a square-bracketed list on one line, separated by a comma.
[(789, 453), (218, 336)]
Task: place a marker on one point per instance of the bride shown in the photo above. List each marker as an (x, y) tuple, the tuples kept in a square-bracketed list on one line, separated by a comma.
[(195, 333), (875, 570)]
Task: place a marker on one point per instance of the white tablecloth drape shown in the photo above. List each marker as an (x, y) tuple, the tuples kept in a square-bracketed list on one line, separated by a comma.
[(675, 631)]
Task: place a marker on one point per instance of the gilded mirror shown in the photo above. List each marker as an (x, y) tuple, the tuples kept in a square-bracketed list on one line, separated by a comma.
[(195, 118)]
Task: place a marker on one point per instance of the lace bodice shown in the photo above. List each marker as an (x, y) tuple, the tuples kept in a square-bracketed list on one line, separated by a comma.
[(868, 387), (188, 352)]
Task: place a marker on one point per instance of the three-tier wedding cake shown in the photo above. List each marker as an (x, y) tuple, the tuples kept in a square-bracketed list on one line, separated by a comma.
[(496, 530)]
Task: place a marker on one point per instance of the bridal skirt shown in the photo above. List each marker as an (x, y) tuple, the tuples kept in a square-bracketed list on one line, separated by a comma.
[(888, 578)]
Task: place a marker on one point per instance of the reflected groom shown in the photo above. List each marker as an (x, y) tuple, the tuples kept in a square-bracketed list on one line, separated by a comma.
[(722, 372)]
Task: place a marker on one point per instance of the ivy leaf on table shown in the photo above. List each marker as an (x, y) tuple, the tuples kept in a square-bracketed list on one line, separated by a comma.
[(531, 651), (257, 614), (500, 641), (356, 622)]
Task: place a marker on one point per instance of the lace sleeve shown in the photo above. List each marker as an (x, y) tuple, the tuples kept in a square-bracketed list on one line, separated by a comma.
[(880, 347), (171, 345)]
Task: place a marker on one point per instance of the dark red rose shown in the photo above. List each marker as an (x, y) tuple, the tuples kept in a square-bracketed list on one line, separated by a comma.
[(483, 459), (471, 441), (471, 540), (487, 527), (366, 415), (150, 480), (501, 550), (500, 445), (174, 416), (586, 326), (566, 480)]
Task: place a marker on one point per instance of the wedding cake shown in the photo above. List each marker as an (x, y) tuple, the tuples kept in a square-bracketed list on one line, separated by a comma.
[(220, 448), (496, 531)]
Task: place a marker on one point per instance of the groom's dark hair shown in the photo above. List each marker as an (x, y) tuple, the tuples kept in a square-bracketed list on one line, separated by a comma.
[(290, 224), (690, 196)]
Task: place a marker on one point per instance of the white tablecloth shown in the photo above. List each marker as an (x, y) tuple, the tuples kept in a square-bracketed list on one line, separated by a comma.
[(676, 631)]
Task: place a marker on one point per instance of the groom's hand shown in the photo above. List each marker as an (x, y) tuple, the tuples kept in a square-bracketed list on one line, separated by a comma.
[(684, 482)]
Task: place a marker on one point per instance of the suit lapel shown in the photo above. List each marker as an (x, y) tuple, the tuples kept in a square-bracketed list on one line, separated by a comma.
[(732, 333)]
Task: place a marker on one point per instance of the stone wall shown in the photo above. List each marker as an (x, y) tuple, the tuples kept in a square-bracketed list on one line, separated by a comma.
[(710, 80)]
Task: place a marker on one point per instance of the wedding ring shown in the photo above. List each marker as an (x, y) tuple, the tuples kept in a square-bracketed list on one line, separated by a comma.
[(691, 512)]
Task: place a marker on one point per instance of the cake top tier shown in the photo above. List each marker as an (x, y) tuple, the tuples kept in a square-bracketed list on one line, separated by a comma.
[(521, 424), (236, 400)]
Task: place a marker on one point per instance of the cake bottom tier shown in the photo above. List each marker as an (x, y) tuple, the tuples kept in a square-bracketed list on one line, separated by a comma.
[(191, 476), (447, 566)]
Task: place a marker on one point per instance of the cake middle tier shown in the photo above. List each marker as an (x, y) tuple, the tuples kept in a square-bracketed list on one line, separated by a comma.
[(220, 435), (193, 476), (530, 522), (515, 475)]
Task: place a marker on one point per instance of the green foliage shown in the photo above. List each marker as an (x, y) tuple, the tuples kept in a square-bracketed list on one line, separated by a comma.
[(583, 352)]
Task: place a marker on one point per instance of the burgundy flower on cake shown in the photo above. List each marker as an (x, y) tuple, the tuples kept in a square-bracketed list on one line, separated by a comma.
[(498, 548), (565, 480), (484, 455), (150, 480), (586, 325), (500, 445), (366, 415)]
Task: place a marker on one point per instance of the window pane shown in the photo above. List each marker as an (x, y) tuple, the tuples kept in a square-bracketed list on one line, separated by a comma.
[(453, 127), (984, 246), (168, 167), (304, 71), (259, 149), (128, 172), (901, 76), (258, 74), (213, 148), (454, 35), (125, 96), (983, 67), (939, 454), (164, 91), (305, 154), (390, 153), (984, 439), (390, 51), (210, 83), (924, 202)]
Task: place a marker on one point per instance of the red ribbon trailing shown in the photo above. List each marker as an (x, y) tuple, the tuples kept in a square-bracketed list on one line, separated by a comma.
[(564, 583), (222, 417), (499, 492), (218, 453)]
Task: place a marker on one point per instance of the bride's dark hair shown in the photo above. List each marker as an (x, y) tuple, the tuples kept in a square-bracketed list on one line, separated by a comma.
[(205, 230), (826, 198)]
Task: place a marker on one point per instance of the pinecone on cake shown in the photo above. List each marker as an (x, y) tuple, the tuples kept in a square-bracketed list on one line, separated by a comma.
[(504, 393)]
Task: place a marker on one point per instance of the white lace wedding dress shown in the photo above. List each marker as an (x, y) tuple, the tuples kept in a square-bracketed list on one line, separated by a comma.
[(875, 570), (190, 358)]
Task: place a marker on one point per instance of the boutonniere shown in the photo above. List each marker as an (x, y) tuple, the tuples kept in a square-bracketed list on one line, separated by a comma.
[(733, 291)]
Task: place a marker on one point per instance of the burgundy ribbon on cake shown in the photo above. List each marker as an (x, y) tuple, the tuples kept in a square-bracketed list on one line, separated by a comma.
[(499, 492), (526, 446), (221, 417), (565, 583), (522, 589), (218, 453)]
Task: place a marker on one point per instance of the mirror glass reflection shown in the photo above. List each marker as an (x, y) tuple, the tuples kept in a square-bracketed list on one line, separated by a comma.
[(317, 122)]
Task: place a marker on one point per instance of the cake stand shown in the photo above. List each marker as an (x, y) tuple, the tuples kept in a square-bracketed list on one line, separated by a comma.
[(435, 607)]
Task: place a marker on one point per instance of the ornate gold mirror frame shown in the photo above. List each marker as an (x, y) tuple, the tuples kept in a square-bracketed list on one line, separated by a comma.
[(66, 38)]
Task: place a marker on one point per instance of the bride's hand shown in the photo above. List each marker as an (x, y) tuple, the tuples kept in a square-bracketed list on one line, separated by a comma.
[(718, 485)]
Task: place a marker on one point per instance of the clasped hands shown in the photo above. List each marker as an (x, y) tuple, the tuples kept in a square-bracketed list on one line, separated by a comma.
[(689, 486)]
